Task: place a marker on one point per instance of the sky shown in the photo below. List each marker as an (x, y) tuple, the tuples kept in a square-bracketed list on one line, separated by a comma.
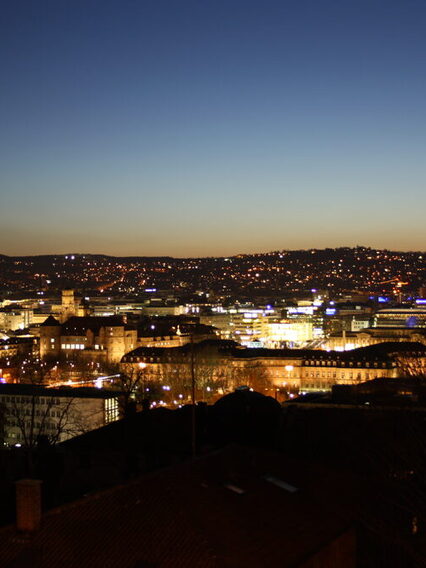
[(211, 127)]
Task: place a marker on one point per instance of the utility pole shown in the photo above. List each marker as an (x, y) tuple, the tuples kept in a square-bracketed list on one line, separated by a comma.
[(193, 415)]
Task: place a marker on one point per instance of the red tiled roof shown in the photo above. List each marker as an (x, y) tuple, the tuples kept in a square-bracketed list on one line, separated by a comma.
[(188, 516)]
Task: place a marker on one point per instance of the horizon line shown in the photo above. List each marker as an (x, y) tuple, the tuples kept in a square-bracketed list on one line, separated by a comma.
[(82, 254)]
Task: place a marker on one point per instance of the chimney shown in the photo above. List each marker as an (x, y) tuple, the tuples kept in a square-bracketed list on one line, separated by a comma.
[(28, 505)]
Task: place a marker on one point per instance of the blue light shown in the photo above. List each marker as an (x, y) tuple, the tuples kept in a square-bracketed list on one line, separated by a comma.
[(382, 299), (330, 311)]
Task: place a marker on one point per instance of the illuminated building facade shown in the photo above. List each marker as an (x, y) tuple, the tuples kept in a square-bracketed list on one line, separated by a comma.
[(294, 370), (401, 317), (31, 411), (107, 338), (244, 325)]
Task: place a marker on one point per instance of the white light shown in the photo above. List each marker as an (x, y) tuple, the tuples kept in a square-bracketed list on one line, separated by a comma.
[(289, 367), (18, 446)]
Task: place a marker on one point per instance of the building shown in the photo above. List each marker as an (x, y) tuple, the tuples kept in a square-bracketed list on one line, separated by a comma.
[(401, 318), (247, 325), (14, 318), (227, 365), (235, 507), (288, 332), (99, 338), (108, 338), (31, 411), (17, 346), (68, 307), (345, 340)]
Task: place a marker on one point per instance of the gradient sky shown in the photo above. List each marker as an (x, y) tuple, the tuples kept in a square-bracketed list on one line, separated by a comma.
[(211, 127)]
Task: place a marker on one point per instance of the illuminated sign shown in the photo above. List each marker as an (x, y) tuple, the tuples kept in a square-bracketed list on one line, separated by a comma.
[(301, 310), (254, 344)]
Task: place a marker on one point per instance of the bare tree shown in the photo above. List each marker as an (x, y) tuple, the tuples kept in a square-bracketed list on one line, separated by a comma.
[(30, 369), (213, 376), (35, 414), (411, 366), (252, 374), (135, 384)]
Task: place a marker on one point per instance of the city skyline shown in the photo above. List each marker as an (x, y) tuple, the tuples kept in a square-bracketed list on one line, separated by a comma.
[(74, 254), (211, 129)]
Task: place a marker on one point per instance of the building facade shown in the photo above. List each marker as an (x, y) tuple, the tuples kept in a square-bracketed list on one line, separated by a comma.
[(31, 411), (229, 365), (98, 338)]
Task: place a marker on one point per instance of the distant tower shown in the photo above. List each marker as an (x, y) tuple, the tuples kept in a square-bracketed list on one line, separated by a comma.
[(68, 305), (84, 309)]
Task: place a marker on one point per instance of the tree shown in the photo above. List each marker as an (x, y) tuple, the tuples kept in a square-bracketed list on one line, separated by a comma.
[(128, 384), (137, 384), (30, 369), (37, 413), (252, 374), (412, 366)]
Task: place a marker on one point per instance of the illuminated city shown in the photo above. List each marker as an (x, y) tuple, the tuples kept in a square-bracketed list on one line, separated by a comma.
[(213, 284)]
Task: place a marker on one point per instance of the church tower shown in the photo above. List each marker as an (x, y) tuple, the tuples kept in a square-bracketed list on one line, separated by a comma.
[(68, 305)]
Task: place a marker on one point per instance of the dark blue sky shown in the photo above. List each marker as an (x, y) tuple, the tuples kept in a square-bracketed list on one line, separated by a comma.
[(211, 127)]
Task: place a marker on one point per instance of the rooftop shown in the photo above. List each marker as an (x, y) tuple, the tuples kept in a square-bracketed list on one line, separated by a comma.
[(22, 389), (235, 507)]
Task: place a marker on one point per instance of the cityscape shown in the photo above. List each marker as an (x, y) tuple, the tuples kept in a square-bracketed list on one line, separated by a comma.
[(91, 344), (213, 284)]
